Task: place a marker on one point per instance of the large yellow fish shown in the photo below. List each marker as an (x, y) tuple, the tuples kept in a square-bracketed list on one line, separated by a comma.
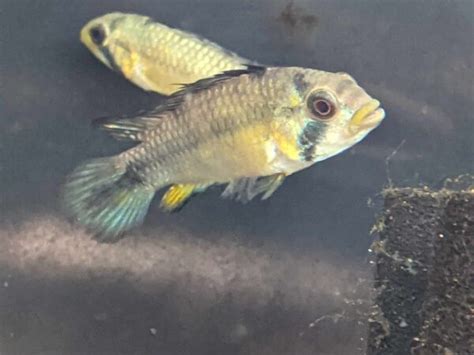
[(154, 56), (247, 128)]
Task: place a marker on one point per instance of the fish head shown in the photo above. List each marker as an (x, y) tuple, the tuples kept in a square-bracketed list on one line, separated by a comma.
[(337, 113), (106, 36)]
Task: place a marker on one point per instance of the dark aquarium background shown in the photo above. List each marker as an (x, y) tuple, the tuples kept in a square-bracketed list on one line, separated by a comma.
[(290, 275)]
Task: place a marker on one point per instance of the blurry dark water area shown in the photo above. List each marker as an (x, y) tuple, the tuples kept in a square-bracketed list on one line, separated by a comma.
[(289, 275)]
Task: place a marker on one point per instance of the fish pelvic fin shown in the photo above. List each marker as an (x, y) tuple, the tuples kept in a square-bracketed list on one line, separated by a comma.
[(107, 198), (177, 195), (245, 189)]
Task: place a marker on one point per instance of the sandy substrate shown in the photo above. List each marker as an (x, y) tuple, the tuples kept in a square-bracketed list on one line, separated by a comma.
[(171, 290)]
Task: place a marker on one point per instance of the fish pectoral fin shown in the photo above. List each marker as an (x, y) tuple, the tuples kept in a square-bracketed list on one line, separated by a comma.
[(245, 189), (177, 195)]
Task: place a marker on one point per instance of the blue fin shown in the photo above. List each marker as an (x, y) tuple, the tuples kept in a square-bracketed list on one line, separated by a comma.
[(106, 198)]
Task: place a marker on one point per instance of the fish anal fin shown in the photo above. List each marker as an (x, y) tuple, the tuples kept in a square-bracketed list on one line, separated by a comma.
[(177, 195)]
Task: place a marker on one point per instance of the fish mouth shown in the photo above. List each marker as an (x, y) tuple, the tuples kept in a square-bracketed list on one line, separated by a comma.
[(84, 35), (368, 116)]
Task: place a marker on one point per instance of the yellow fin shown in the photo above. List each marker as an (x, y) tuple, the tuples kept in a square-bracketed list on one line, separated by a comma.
[(178, 194)]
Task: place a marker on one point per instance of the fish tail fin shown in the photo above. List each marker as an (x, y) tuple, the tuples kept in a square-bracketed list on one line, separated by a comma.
[(106, 198)]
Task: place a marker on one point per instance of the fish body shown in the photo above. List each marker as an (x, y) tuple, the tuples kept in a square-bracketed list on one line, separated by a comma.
[(247, 128), (154, 56)]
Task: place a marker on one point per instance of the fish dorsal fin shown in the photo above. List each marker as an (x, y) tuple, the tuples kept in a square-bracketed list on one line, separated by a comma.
[(127, 128), (206, 83), (130, 127), (176, 100)]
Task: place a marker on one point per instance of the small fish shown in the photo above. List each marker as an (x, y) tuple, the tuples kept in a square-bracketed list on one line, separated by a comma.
[(154, 56), (249, 129)]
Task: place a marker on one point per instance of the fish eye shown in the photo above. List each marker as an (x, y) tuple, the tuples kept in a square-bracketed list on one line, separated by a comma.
[(97, 34), (321, 105)]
